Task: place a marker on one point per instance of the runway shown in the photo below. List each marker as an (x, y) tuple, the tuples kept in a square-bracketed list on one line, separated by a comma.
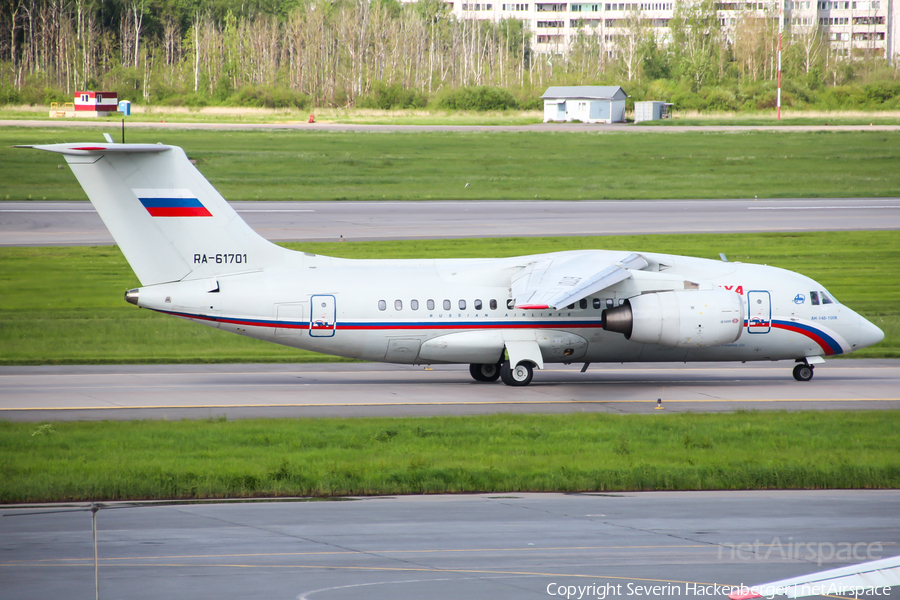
[(513, 546), (77, 223), (361, 389)]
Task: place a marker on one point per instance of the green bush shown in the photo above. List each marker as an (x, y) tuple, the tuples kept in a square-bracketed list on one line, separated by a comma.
[(268, 97), (881, 92), (392, 96), (9, 95), (719, 99), (843, 96), (476, 98)]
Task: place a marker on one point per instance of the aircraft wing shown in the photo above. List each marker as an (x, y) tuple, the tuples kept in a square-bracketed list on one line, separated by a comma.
[(556, 282), (843, 581)]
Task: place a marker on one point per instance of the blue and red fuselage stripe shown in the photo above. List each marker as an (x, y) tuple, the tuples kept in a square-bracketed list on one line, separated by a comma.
[(825, 341)]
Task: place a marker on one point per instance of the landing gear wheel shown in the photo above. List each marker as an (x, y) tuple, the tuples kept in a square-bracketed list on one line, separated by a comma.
[(519, 375), (486, 373), (803, 372)]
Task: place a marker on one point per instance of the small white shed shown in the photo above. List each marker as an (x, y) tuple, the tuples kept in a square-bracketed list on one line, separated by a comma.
[(585, 103), (651, 111)]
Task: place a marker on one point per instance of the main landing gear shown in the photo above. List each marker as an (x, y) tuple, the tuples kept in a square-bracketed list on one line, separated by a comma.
[(803, 372), (519, 375), (485, 373)]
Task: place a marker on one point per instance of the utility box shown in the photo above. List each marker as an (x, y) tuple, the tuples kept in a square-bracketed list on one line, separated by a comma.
[(652, 111)]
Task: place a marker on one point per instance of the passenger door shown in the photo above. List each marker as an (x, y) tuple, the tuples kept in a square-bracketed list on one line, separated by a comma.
[(322, 316), (759, 312)]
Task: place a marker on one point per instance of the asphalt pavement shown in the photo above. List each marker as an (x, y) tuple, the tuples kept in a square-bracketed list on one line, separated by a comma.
[(118, 392), (501, 546)]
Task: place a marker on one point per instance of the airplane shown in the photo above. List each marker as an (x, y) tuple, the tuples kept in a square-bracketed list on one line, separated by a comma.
[(505, 317)]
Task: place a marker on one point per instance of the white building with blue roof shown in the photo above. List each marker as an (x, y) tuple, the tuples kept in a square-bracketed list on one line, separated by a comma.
[(585, 103)]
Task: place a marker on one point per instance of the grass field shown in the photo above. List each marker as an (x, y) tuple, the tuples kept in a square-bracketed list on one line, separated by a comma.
[(500, 453), (298, 165), (65, 305)]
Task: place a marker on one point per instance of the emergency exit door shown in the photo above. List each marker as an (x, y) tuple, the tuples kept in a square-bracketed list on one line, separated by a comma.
[(759, 312), (322, 316)]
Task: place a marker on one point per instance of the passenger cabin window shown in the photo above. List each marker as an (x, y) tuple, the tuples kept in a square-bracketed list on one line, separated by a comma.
[(414, 304), (596, 303), (462, 305), (582, 303), (510, 304), (398, 304), (478, 305), (571, 306), (814, 298), (493, 305), (609, 303), (382, 305), (446, 305), (430, 304)]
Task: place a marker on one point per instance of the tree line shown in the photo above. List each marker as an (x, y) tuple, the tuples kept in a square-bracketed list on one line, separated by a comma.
[(381, 53)]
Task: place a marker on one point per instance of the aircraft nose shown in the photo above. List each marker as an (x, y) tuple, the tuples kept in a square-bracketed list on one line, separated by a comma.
[(869, 334)]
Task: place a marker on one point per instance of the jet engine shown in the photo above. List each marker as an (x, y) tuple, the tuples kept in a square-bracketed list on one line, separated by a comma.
[(680, 319)]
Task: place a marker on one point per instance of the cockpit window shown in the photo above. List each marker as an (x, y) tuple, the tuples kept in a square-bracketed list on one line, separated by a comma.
[(814, 298), (826, 299)]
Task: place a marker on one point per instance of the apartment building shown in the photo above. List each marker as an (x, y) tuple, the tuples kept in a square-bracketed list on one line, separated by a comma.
[(854, 27)]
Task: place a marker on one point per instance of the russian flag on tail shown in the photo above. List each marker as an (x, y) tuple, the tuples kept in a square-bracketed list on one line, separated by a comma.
[(172, 203)]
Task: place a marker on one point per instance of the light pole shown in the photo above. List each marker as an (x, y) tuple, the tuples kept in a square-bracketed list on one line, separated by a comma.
[(94, 509)]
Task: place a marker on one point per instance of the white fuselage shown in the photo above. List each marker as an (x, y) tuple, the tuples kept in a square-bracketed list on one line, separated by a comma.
[(455, 311)]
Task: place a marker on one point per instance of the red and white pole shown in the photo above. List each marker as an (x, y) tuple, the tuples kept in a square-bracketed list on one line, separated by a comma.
[(780, 33)]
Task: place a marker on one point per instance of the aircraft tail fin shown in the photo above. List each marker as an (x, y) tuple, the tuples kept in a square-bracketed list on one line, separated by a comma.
[(169, 221)]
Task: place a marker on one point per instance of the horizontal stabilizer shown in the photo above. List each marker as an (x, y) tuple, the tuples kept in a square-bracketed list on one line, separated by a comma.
[(88, 149)]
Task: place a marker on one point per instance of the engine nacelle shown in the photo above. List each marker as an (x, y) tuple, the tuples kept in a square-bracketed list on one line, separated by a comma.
[(679, 319)]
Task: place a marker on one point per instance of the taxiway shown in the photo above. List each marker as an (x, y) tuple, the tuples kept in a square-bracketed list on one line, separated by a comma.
[(362, 389), (77, 223)]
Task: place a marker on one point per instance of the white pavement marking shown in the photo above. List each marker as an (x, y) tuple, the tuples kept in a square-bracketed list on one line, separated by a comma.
[(817, 207)]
